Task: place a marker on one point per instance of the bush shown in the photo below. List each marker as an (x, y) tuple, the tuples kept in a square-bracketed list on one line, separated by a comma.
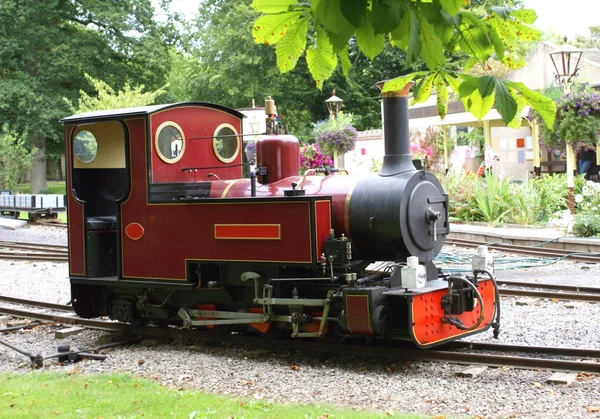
[(15, 159), (587, 225)]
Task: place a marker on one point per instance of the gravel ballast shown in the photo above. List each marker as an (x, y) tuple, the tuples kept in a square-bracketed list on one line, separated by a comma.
[(288, 376)]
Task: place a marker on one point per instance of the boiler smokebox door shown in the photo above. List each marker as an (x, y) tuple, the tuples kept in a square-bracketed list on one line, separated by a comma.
[(427, 196)]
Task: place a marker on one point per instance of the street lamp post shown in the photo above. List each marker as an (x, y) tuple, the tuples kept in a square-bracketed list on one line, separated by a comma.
[(566, 63), (334, 104)]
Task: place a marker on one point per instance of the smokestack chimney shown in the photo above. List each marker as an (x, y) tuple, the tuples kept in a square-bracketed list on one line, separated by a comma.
[(397, 158)]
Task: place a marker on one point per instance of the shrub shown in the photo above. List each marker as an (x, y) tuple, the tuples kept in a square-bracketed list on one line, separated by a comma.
[(493, 196), (587, 225), (15, 159), (461, 190)]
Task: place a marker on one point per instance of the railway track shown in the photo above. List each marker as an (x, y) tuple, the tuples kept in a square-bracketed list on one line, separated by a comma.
[(524, 357), (33, 251), (541, 252), (551, 291)]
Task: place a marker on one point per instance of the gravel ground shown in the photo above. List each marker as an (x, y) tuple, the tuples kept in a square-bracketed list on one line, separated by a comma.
[(424, 388)]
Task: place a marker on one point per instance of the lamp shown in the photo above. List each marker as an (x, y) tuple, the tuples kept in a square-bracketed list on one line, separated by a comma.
[(334, 104), (566, 63)]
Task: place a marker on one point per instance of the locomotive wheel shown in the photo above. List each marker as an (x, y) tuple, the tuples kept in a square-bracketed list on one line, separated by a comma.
[(88, 301)]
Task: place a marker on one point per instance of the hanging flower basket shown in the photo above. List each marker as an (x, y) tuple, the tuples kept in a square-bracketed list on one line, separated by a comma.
[(577, 121)]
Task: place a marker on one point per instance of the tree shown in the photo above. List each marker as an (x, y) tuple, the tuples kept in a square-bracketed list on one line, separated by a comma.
[(422, 30), (107, 98), (45, 48)]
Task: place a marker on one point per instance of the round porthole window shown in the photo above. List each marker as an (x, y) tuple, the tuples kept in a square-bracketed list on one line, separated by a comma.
[(226, 143), (85, 146), (169, 142)]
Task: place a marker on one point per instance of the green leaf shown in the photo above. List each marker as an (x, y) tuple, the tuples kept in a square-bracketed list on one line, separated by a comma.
[(513, 61), (486, 85), (441, 92), (344, 61), (388, 14), (355, 11), (340, 40), (452, 6), (328, 13), (453, 81), (525, 15), (272, 6), (503, 12), (269, 29), (414, 40), (477, 105), (399, 82), (497, 42), (369, 43), (517, 120), (292, 45), (505, 104), (320, 59), (423, 90), (545, 106), (432, 49), (400, 36), (467, 87)]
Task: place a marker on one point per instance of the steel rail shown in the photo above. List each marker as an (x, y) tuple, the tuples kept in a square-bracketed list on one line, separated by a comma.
[(35, 248), (529, 251), (547, 350), (38, 304), (33, 256), (565, 296), (67, 319), (556, 287), (40, 245), (372, 351)]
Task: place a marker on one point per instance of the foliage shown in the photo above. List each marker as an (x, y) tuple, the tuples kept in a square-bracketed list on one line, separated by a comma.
[(15, 159), (424, 30), (587, 225), (461, 191), (577, 120), (592, 41), (107, 98), (498, 201), (312, 157), (71, 395), (336, 135), (46, 46), (430, 144), (251, 152), (493, 196), (473, 138), (588, 201)]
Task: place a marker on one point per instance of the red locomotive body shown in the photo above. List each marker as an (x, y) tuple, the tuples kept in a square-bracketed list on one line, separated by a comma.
[(163, 226)]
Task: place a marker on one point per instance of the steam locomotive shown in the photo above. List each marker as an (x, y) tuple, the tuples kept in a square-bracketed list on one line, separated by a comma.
[(164, 227)]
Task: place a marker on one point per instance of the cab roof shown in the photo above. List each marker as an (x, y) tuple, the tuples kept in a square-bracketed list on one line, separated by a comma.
[(143, 111)]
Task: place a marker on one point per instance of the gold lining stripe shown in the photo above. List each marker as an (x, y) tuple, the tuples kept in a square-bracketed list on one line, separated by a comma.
[(347, 210), (228, 187)]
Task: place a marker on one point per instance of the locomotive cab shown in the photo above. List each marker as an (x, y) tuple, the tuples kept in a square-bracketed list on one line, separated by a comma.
[(98, 181)]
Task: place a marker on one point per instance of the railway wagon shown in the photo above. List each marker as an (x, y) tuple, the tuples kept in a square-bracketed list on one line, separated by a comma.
[(37, 205), (164, 227)]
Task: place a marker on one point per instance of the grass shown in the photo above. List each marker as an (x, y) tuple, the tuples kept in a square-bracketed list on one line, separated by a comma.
[(54, 187), (46, 395)]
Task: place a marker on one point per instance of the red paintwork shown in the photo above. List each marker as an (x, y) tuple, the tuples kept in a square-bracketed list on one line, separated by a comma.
[(280, 154), (261, 327), (337, 186), (200, 123), (254, 232), (427, 314), (191, 226), (134, 231), (322, 224), (357, 311), (74, 217)]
